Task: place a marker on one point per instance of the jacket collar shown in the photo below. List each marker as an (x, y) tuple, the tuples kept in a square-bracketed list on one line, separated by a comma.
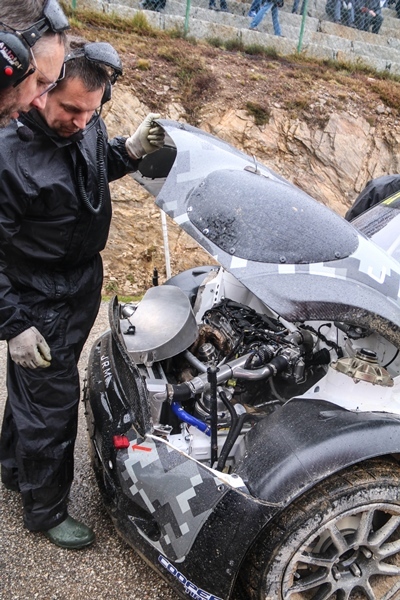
[(35, 122)]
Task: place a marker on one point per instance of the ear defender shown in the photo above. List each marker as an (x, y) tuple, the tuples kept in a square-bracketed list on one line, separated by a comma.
[(14, 59), (107, 93)]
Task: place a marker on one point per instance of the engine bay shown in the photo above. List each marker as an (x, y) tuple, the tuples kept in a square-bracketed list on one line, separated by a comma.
[(216, 362)]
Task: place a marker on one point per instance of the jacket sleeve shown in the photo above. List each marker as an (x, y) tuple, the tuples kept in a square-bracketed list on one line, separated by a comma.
[(118, 161), (14, 316), (374, 192)]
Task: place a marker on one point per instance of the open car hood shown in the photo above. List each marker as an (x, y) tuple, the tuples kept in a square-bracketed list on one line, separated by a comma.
[(296, 255)]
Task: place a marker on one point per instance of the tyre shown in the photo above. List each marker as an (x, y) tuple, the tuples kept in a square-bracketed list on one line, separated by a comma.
[(340, 541)]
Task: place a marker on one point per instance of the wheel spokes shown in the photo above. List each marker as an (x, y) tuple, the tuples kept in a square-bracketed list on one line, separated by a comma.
[(338, 539), (389, 549), (316, 561), (345, 555), (387, 569), (383, 533), (370, 594), (364, 527), (324, 593)]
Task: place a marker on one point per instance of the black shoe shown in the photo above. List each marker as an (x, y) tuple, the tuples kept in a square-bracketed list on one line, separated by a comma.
[(9, 478), (70, 534)]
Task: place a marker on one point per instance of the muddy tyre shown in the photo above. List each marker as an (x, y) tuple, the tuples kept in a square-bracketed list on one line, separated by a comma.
[(340, 541)]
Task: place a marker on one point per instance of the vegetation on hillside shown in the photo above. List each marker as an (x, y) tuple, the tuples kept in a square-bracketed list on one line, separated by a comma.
[(163, 67)]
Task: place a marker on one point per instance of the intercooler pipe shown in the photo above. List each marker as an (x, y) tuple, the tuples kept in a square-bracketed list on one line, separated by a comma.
[(232, 370), (195, 362)]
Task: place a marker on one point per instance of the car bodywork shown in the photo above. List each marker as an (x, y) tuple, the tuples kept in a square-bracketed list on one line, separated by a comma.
[(282, 253)]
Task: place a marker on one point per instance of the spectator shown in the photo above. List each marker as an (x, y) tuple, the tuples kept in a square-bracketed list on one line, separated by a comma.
[(222, 5), (331, 9), (156, 5), (296, 6), (368, 15), (341, 11), (270, 5), (347, 13), (255, 7)]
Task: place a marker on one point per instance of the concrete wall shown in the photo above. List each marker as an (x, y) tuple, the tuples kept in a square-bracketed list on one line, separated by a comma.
[(321, 37)]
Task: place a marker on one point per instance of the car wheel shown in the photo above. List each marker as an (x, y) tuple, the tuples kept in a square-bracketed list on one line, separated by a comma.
[(340, 541)]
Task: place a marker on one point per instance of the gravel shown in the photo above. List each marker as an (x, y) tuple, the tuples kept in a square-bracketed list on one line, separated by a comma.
[(33, 568)]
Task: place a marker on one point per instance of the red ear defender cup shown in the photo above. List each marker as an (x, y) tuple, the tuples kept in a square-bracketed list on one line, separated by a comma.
[(14, 59)]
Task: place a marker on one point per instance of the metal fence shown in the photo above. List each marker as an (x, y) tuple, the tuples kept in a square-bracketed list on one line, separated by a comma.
[(364, 15)]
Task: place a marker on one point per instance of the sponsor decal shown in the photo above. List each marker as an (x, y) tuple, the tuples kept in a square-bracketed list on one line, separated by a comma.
[(9, 56), (105, 367), (190, 588)]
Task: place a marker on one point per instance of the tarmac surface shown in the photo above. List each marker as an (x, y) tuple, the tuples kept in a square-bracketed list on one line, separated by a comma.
[(31, 567)]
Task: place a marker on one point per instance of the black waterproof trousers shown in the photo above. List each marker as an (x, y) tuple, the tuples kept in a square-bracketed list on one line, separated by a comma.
[(41, 415)]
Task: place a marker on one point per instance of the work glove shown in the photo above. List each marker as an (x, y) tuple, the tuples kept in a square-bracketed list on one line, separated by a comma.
[(29, 349), (147, 138)]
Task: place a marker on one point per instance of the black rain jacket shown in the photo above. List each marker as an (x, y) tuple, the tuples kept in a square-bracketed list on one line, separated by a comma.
[(45, 228)]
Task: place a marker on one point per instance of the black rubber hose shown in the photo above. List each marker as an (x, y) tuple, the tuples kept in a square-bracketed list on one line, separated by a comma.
[(230, 439)]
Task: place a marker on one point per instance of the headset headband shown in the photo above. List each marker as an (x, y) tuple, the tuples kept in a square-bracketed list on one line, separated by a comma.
[(101, 53), (53, 19)]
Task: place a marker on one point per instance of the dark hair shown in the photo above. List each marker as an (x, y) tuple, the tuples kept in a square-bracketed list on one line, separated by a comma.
[(93, 75)]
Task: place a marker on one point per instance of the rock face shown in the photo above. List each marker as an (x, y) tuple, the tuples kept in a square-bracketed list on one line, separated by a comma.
[(331, 160)]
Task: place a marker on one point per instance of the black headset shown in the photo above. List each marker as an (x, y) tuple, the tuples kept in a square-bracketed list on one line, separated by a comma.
[(104, 54), (15, 46)]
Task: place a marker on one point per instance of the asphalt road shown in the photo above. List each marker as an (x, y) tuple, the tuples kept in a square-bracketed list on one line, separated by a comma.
[(33, 568)]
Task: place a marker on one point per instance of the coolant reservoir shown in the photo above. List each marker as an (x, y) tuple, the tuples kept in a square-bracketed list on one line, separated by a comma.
[(364, 367)]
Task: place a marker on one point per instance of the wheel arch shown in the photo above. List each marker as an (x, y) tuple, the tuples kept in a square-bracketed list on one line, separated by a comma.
[(372, 487), (306, 441)]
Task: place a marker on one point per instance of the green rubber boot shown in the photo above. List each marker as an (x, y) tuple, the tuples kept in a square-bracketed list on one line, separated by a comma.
[(71, 534)]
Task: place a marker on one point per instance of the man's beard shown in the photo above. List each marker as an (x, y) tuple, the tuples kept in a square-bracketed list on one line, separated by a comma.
[(9, 104)]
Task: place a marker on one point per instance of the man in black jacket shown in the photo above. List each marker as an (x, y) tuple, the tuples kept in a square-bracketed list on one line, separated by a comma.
[(32, 48), (55, 212)]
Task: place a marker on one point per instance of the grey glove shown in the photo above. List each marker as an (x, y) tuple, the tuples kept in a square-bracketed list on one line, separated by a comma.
[(147, 138), (29, 349)]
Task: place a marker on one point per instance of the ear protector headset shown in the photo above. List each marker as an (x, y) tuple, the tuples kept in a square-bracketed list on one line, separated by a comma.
[(15, 46), (104, 54)]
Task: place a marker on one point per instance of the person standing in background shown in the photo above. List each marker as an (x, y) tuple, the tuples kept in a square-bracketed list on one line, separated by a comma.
[(270, 5)]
